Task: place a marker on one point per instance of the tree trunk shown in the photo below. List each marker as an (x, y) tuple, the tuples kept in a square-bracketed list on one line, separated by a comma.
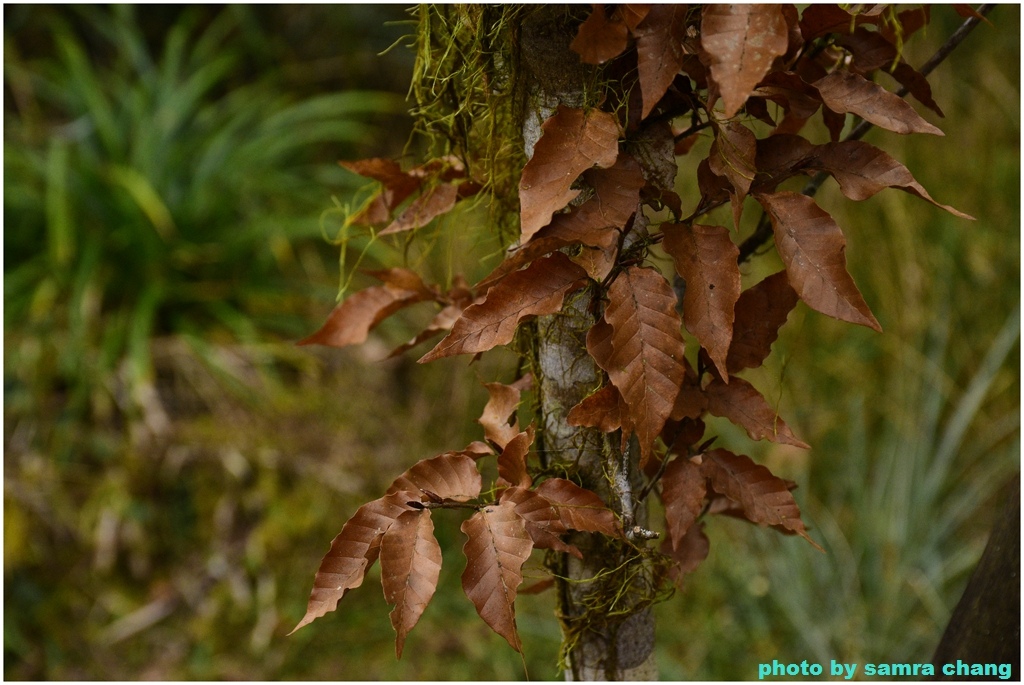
[(604, 599), (985, 626)]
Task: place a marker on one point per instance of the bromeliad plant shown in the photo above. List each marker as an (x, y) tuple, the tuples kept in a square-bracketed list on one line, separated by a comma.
[(624, 362)]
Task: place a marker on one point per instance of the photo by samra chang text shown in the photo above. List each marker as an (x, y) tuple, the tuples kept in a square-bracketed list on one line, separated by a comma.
[(777, 669)]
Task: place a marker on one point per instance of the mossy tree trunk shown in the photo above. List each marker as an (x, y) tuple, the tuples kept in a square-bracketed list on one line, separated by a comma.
[(604, 599)]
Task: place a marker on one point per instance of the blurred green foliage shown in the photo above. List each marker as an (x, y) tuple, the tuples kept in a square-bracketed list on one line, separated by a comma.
[(174, 469), (154, 194)]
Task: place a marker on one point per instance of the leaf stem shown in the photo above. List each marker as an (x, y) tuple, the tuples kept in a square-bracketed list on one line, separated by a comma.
[(446, 505)]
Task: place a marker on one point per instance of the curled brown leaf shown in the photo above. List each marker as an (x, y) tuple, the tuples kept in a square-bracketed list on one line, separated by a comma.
[(450, 476)]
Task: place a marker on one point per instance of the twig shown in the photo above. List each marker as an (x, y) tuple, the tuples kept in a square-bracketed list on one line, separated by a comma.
[(447, 504), (763, 231)]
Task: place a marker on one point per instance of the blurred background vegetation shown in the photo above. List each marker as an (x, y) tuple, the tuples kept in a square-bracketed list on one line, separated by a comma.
[(175, 468)]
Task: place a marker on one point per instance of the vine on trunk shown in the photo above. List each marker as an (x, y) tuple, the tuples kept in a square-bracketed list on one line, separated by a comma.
[(596, 207)]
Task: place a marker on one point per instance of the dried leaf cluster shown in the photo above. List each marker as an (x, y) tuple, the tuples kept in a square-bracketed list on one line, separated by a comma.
[(749, 76)]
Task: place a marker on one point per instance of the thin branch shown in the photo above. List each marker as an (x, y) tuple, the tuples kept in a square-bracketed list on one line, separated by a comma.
[(445, 505), (763, 231), (690, 131)]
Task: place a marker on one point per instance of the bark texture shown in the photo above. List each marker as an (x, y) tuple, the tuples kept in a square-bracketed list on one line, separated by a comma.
[(985, 626), (607, 634)]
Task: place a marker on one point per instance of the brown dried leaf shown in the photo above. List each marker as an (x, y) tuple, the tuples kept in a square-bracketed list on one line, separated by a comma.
[(536, 290), (603, 216), (439, 200), (817, 20), (397, 186), (796, 38), (917, 85), (475, 450), (442, 321), (681, 435), (780, 157), (387, 171), (705, 257), (760, 312), (599, 38), (871, 50), (861, 170), (410, 563), (538, 587), (690, 403), (714, 189), (542, 520), (458, 297), (450, 476), (633, 14), (512, 460), (742, 41), (659, 46), (907, 23), (799, 99), (572, 142), (733, 156), (812, 247), (354, 317), (352, 552), (967, 12), (844, 91), (496, 549), (601, 410), (688, 553), (579, 509), (765, 499), (596, 223), (646, 363), (742, 404), (500, 408), (684, 487)]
